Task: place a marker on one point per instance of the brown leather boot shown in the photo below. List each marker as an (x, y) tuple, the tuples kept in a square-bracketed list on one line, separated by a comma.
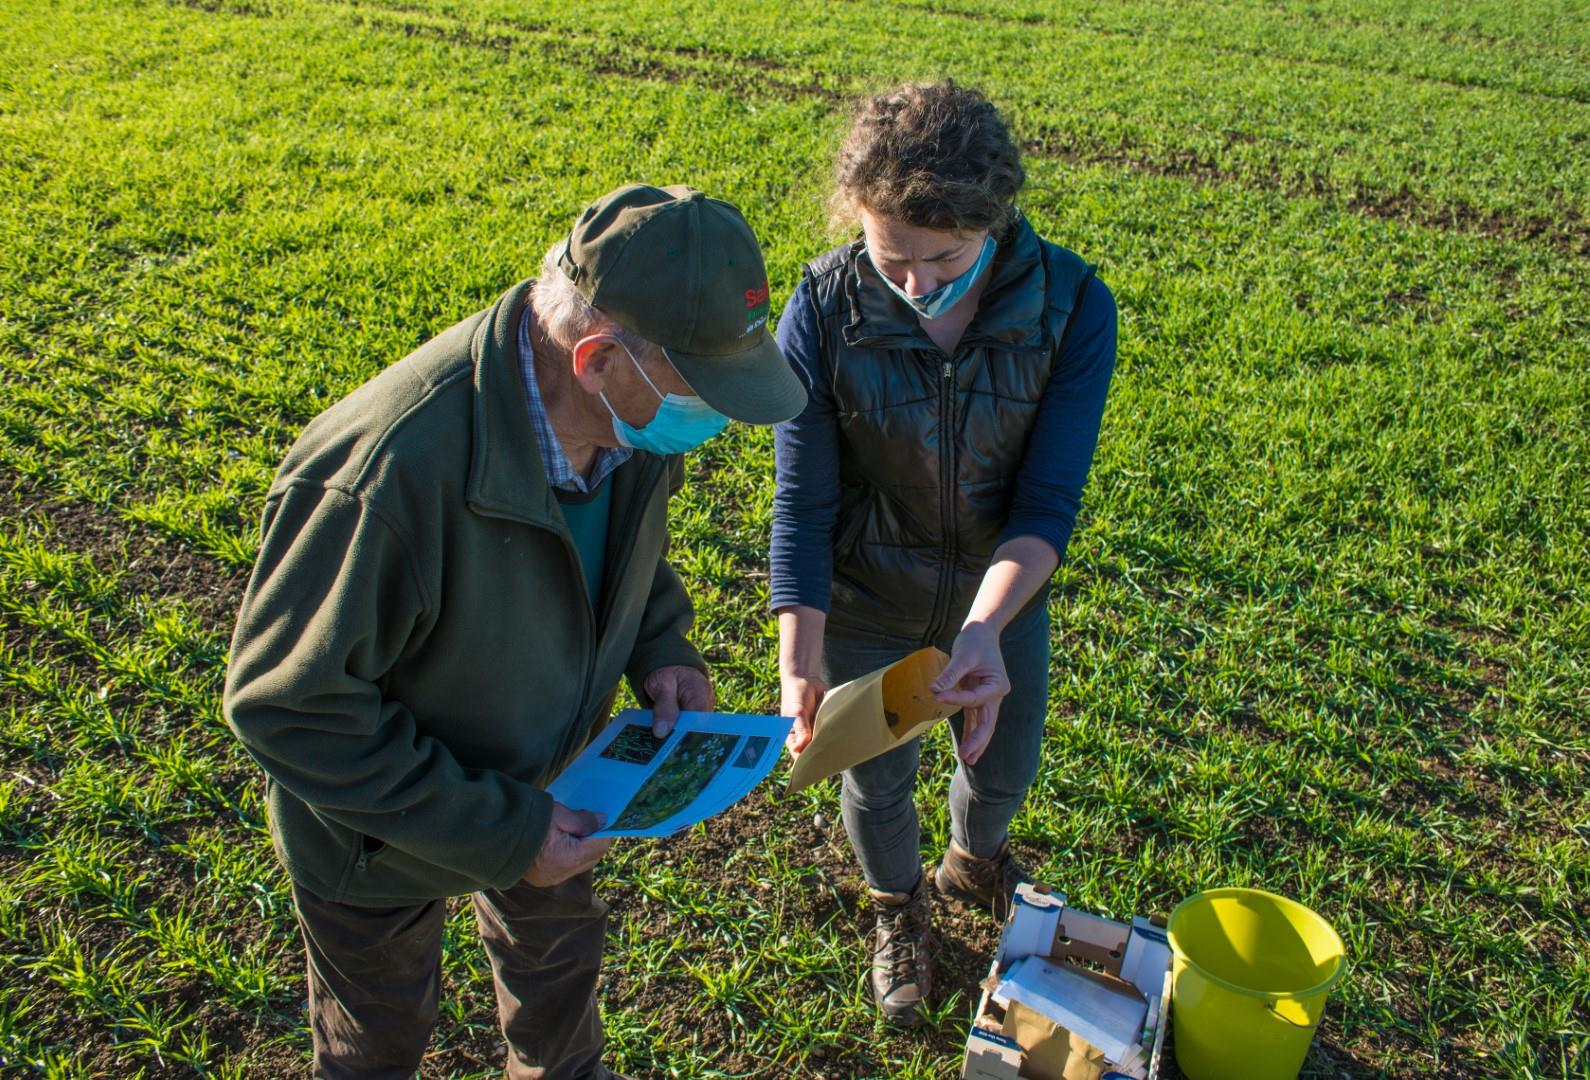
[(988, 883), (902, 968)]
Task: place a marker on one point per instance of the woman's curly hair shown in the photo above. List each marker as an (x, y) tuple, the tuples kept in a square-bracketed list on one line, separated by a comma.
[(934, 155)]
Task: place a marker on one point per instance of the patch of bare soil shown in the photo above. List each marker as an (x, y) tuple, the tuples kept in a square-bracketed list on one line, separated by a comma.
[(150, 562)]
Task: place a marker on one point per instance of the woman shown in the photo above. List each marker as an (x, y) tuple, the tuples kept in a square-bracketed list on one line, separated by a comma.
[(957, 366)]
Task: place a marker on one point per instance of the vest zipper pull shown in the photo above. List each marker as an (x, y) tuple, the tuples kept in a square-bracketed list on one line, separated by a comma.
[(949, 370)]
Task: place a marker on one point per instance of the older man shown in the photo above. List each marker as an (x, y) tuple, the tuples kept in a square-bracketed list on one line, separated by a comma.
[(458, 561)]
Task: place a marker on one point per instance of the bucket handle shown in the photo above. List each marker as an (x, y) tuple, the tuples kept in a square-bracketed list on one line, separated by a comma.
[(1275, 1010)]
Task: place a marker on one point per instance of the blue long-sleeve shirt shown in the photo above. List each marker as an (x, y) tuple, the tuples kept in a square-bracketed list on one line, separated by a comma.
[(1048, 486)]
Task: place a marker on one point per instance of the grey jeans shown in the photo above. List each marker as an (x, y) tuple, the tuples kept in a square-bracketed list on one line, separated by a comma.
[(878, 797)]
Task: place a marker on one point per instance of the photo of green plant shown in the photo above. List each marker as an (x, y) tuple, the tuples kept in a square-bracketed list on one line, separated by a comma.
[(686, 773), (635, 745)]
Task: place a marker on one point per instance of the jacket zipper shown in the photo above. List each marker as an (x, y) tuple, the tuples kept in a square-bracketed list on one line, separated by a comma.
[(612, 573), (947, 548), (631, 524)]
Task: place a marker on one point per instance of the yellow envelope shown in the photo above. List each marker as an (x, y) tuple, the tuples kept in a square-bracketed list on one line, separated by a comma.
[(867, 716), (1050, 1052)]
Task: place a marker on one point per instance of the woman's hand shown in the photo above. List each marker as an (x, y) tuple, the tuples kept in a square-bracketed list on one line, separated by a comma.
[(800, 697), (974, 680), (800, 658)]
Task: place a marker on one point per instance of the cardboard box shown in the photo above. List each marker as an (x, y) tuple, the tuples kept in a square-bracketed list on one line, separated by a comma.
[(1071, 996)]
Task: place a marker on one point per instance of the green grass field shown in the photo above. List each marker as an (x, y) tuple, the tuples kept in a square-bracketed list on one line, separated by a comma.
[(1324, 626)]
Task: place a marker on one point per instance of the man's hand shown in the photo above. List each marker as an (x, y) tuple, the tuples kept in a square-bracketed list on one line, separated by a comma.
[(800, 698), (975, 680), (567, 852), (674, 690)]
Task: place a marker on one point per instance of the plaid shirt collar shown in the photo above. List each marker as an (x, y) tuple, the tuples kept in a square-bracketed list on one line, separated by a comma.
[(560, 474)]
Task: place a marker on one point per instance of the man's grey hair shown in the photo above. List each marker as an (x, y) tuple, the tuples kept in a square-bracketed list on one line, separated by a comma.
[(565, 316)]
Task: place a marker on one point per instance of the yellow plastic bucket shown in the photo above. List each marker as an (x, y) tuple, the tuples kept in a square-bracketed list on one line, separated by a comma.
[(1252, 971)]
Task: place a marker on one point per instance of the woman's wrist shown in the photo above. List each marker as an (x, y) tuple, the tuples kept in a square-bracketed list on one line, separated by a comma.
[(1019, 569), (806, 672), (800, 642), (991, 624)]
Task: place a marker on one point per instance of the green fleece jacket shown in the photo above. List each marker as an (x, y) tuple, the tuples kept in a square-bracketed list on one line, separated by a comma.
[(417, 656)]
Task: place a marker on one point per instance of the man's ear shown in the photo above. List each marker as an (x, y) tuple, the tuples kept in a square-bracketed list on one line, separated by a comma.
[(592, 359)]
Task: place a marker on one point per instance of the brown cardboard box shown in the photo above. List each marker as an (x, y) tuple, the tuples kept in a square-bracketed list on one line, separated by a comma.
[(1088, 969)]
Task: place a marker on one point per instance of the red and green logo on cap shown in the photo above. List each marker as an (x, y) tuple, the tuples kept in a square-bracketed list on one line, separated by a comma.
[(757, 306)]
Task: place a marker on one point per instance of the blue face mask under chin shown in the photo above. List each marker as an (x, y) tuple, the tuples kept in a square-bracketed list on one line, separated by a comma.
[(683, 421), (932, 305)]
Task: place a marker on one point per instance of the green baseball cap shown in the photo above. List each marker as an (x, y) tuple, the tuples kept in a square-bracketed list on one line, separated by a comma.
[(684, 271)]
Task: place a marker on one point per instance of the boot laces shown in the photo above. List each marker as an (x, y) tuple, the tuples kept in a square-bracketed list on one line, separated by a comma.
[(997, 878), (1005, 873), (904, 932)]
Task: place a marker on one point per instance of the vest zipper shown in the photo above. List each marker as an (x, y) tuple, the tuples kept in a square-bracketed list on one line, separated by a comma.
[(941, 602)]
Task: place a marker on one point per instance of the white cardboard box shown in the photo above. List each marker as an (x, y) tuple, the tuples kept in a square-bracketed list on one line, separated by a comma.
[(1092, 973)]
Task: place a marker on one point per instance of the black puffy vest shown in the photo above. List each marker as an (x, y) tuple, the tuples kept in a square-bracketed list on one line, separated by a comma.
[(930, 444)]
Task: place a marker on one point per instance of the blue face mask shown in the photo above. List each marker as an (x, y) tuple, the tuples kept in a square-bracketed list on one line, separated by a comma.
[(683, 421), (933, 304)]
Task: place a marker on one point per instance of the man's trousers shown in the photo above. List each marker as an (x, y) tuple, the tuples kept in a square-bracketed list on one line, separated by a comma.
[(375, 979)]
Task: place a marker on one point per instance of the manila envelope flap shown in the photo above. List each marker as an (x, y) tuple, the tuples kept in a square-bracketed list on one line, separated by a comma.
[(1048, 1051), (870, 715)]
